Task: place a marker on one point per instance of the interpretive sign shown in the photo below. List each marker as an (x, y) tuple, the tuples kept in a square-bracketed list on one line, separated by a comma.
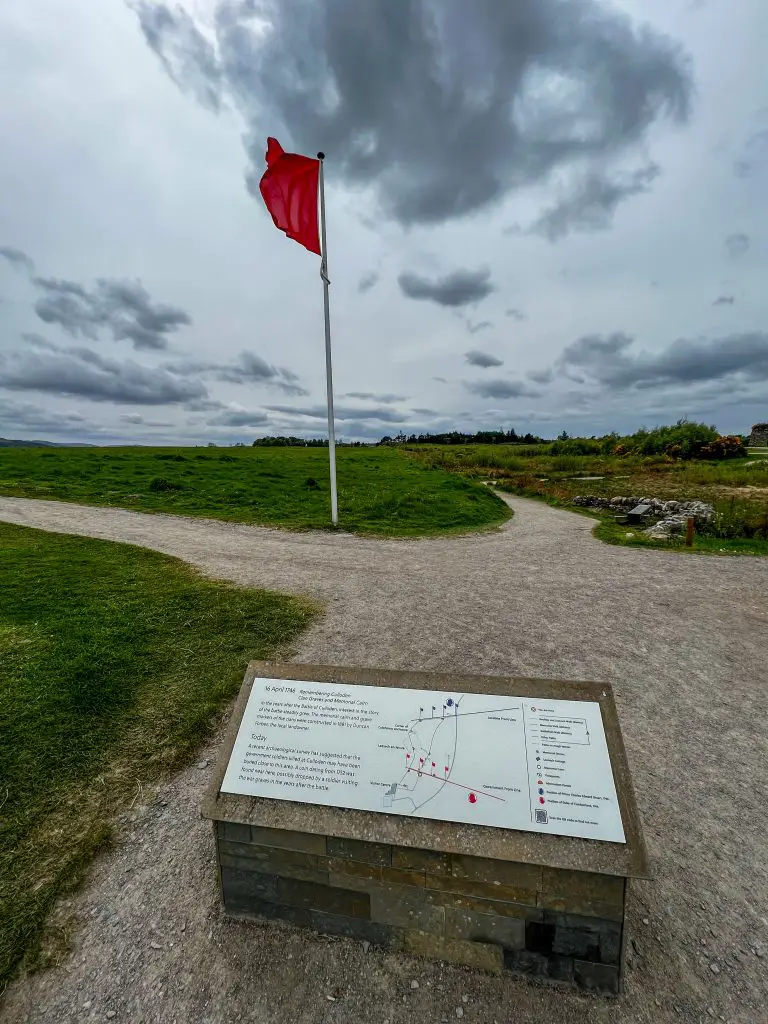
[(525, 763)]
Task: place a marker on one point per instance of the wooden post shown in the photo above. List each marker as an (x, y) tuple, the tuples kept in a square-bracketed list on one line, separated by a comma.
[(689, 532)]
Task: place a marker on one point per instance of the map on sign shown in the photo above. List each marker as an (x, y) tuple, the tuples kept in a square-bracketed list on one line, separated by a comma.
[(511, 762)]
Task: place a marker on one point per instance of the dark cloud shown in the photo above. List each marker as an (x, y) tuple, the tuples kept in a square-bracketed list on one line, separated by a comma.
[(516, 314), (754, 155), (82, 372), (591, 203), (372, 397), (477, 358), (18, 259), (248, 368), (606, 359), (501, 388), (23, 416), (441, 113), (185, 53), (367, 281), (459, 288), (239, 418), (123, 308), (737, 245), (724, 300), (440, 380), (541, 376), (484, 325), (341, 412), (134, 419)]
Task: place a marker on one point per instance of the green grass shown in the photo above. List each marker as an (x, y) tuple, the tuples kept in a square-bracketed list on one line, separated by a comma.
[(381, 491), (114, 662), (737, 488)]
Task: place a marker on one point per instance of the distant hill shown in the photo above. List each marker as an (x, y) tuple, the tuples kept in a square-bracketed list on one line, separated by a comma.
[(6, 442)]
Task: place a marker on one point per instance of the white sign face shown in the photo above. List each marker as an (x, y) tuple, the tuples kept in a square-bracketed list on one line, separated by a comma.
[(512, 762)]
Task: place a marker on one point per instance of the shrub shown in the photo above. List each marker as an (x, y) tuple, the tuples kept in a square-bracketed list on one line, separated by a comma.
[(577, 446), (728, 447), (159, 484)]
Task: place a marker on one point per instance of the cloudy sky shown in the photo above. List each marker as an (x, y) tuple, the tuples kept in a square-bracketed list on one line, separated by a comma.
[(547, 214)]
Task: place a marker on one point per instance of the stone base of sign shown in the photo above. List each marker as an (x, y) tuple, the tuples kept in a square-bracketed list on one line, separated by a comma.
[(493, 899), (489, 914)]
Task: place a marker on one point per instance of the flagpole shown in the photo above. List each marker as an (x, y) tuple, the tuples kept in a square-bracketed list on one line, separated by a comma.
[(328, 367)]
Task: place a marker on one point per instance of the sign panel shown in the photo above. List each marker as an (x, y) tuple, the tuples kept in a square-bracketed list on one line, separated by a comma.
[(511, 762)]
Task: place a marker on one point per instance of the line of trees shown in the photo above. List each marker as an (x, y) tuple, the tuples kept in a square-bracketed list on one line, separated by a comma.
[(457, 437)]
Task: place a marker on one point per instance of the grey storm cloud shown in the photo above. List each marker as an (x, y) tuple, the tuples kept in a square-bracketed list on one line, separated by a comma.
[(516, 314), (442, 114), (459, 288), (737, 244), (370, 396), (440, 380), (341, 412), (477, 358), (501, 388), (86, 374), (367, 281), (724, 300), (239, 418), (122, 308), (248, 368), (18, 259), (483, 325), (754, 154), (608, 360), (35, 417), (591, 202), (541, 376)]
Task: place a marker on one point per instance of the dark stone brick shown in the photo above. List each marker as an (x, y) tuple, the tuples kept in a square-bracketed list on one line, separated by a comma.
[(610, 945), (355, 849), (577, 942), (356, 928), (284, 839), (234, 831), (539, 937), (526, 961), (239, 888), (312, 896), (596, 977), (556, 968)]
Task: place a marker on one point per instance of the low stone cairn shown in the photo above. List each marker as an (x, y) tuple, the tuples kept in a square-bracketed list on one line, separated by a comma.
[(672, 516)]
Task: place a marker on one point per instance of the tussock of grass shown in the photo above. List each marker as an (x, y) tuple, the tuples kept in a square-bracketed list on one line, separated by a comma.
[(114, 662), (380, 491)]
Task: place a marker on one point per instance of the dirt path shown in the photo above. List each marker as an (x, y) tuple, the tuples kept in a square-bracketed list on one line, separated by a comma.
[(684, 640)]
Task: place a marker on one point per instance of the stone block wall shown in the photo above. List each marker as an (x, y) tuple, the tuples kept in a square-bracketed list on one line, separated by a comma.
[(556, 924), (759, 436)]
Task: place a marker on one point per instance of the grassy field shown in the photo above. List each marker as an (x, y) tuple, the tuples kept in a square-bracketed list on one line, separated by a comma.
[(380, 491), (115, 662), (738, 488)]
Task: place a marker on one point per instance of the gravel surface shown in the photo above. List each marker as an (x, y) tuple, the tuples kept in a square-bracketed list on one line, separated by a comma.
[(682, 639)]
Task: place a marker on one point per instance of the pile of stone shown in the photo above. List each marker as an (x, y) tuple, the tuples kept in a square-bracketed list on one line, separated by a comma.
[(673, 515)]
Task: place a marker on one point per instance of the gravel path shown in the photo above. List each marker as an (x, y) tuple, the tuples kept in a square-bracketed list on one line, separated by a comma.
[(682, 639)]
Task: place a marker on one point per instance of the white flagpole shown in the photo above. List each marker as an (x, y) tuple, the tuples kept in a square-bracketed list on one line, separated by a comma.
[(328, 367)]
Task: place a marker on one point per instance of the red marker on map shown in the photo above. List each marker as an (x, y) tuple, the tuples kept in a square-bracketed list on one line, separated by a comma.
[(472, 798)]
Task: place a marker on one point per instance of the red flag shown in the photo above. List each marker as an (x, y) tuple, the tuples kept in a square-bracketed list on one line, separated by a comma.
[(289, 188)]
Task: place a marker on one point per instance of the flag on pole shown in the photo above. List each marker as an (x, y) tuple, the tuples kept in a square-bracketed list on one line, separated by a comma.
[(289, 189)]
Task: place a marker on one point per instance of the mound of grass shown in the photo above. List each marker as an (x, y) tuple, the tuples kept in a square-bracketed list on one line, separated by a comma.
[(115, 663), (381, 491)]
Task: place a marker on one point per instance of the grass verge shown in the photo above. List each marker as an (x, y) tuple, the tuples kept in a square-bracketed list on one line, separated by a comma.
[(115, 662), (381, 491)]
